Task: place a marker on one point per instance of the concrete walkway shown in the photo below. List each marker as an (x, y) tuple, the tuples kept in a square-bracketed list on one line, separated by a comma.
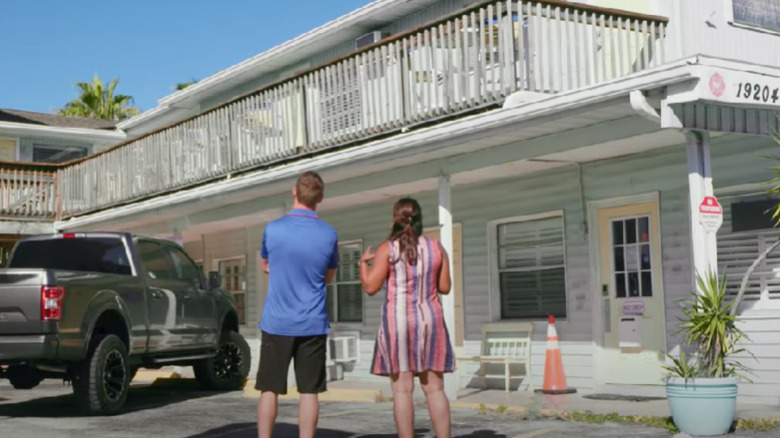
[(524, 402)]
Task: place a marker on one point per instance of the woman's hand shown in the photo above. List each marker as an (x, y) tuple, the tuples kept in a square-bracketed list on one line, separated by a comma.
[(367, 256)]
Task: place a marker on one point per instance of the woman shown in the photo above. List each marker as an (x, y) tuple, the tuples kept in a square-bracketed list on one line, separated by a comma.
[(412, 338)]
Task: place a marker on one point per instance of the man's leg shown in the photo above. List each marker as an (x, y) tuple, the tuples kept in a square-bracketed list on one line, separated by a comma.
[(311, 377), (275, 354)]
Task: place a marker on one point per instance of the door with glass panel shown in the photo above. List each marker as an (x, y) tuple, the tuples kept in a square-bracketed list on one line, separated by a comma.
[(632, 298)]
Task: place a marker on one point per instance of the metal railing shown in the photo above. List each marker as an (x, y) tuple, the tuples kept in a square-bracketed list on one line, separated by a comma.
[(459, 64)]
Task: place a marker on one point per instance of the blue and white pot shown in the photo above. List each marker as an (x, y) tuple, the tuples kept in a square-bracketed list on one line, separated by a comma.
[(702, 406)]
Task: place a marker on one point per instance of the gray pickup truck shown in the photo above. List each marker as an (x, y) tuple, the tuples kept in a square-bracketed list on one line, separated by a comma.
[(92, 308)]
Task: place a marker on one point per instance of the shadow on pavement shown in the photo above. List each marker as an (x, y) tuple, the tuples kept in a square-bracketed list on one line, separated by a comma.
[(287, 430), (139, 399)]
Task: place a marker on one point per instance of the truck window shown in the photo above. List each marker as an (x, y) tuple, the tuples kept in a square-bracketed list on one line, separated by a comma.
[(154, 260), (97, 254), (183, 268)]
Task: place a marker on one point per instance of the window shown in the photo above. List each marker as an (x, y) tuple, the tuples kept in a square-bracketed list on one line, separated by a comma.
[(345, 294), (631, 257), (156, 264), (183, 268), (57, 154), (531, 268), (759, 13), (99, 254), (234, 281)]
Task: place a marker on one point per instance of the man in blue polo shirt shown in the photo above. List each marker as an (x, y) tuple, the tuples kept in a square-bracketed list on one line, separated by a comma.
[(300, 256)]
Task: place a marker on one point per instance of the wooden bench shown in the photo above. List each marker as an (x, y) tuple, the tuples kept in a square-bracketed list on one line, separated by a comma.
[(504, 343)]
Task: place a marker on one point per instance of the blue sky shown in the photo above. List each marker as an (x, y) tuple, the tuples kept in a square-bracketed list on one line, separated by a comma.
[(49, 45)]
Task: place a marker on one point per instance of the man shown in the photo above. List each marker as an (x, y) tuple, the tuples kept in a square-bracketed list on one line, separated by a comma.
[(300, 256)]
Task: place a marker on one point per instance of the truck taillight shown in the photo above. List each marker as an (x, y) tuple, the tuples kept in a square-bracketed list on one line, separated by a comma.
[(51, 303)]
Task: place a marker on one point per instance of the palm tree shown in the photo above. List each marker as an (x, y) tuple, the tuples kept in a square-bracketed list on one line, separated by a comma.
[(182, 85), (98, 101)]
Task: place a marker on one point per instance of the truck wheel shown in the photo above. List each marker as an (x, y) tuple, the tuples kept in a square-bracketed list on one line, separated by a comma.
[(23, 377), (227, 370), (103, 378)]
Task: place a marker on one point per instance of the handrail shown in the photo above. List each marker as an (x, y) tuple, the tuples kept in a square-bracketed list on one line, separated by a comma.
[(449, 67)]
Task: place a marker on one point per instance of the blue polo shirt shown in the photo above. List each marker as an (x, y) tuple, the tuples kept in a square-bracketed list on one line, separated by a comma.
[(299, 248)]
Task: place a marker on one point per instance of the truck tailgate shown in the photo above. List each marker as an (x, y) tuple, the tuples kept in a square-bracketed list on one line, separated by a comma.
[(20, 302)]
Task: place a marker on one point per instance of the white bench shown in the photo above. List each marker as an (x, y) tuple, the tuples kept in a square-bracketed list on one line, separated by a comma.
[(504, 343)]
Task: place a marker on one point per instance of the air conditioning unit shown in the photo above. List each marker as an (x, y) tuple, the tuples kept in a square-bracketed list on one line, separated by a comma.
[(343, 349), (368, 39)]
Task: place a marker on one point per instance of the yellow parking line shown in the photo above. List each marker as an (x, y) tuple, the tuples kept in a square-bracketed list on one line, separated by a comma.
[(536, 433), (354, 411)]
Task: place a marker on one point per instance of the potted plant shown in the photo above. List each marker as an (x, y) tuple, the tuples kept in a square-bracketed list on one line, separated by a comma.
[(702, 388)]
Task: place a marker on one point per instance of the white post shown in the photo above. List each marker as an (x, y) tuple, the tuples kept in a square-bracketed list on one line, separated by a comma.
[(704, 244), (447, 301)]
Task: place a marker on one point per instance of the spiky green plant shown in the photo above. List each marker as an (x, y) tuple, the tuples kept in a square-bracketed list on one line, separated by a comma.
[(710, 331)]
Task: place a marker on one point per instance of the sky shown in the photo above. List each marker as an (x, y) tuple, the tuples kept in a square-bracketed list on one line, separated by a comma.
[(150, 45)]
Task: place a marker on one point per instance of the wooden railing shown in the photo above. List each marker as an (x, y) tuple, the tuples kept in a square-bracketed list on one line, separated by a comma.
[(28, 191), (456, 65)]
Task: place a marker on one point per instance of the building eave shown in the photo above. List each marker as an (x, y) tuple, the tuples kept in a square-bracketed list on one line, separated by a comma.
[(84, 134)]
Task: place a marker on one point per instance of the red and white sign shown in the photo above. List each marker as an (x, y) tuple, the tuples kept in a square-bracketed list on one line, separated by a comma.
[(710, 214)]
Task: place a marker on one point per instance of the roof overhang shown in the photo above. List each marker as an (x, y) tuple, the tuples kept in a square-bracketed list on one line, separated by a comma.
[(725, 96), (83, 134)]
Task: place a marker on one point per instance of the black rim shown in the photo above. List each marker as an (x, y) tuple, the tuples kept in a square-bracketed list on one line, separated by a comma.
[(228, 361), (114, 375)]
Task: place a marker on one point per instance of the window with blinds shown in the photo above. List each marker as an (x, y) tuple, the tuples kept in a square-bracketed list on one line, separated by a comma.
[(737, 251), (345, 294), (531, 268)]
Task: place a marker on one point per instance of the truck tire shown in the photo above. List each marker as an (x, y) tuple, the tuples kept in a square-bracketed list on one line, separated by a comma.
[(24, 377), (103, 378), (227, 370)]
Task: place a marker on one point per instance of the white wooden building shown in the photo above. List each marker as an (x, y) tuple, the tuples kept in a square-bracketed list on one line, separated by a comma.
[(560, 151)]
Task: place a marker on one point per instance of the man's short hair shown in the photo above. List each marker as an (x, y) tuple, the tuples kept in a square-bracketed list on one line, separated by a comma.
[(309, 189)]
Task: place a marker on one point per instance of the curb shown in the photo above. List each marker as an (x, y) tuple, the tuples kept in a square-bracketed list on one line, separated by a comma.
[(331, 395), (150, 376)]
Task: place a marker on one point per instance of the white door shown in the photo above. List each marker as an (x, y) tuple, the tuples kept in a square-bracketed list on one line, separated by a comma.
[(632, 295)]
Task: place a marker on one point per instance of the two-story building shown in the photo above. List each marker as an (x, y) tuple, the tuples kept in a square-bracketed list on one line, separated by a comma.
[(560, 150)]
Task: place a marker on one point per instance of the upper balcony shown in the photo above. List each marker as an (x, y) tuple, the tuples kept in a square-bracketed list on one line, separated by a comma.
[(458, 65)]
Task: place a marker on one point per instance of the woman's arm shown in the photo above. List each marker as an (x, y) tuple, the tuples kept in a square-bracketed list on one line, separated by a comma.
[(445, 284), (374, 276)]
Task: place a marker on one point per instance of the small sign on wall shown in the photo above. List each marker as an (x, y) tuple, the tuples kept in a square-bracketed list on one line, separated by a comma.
[(634, 308), (710, 214)]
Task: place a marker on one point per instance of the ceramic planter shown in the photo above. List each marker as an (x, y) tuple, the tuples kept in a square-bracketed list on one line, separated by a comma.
[(702, 406)]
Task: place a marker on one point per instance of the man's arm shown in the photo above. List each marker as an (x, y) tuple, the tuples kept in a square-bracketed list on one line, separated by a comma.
[(333, 263), (264, 253), (264, 263)]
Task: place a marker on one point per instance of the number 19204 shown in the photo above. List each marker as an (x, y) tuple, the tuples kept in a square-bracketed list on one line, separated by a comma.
[(757, 92)]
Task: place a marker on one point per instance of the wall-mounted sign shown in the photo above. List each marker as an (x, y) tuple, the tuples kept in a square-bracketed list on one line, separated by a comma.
[(633, 307), (710, 214)]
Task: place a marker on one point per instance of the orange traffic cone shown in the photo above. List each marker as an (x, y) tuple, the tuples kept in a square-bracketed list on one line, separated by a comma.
[(554, 378)]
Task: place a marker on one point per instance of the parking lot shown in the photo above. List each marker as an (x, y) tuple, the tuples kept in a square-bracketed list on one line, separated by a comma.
[(187, 412)]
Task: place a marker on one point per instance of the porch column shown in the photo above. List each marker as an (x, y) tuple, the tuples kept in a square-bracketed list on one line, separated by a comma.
[(447, 301), (704, 243)]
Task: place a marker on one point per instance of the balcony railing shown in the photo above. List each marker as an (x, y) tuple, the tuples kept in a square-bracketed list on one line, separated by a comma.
[(466, 62), (28, 192)]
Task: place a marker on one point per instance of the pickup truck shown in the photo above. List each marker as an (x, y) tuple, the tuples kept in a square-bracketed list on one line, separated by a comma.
[(91, 308)]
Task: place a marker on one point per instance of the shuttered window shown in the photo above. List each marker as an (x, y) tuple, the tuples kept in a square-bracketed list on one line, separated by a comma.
[(345, 294), (531, 268), (737, 251)]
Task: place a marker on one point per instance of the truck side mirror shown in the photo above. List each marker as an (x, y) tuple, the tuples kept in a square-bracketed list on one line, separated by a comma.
[(215, 280)]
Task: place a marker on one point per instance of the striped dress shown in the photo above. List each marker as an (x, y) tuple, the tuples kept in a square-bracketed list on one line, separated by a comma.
[(412, 335)]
